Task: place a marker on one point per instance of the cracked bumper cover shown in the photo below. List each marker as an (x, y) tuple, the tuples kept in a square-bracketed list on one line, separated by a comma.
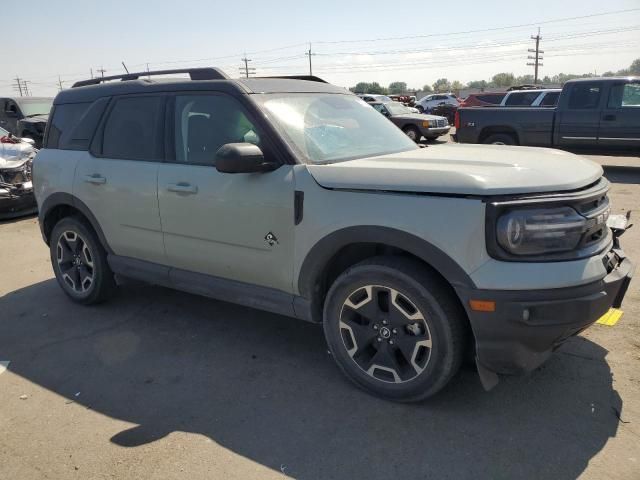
[(528, 325)]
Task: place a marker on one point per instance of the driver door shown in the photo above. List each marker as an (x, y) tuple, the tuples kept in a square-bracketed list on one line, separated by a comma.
[(233, 226)]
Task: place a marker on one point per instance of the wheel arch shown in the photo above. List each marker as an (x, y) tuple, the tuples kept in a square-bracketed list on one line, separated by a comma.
[(339, 250), (486, 132), (60, 205)]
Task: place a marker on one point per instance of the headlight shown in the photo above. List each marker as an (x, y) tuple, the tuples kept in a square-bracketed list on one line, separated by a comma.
[(426, 123), (532, 232)]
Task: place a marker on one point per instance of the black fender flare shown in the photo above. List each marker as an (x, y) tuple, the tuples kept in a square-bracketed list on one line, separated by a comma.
[(322, 252), (62, 198)]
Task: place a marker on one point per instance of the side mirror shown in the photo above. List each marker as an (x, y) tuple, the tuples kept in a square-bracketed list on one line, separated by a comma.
[(242, 158)]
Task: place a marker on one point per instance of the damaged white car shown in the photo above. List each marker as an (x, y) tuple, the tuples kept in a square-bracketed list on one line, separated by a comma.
[(16, 188)]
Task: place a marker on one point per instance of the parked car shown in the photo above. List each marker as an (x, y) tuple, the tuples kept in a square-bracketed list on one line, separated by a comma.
[(482, 99), (591, 112), (531, 98), (425, 104), (305, 202), (415, 125), (25, 117), (16, 188), (370, 98)]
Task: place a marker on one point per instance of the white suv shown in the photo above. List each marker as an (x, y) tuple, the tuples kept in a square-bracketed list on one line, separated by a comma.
[(532, 98), (425, 104)]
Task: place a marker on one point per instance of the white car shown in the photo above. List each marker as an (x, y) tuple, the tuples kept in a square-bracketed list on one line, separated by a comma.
[(427, 103), (531, 98)]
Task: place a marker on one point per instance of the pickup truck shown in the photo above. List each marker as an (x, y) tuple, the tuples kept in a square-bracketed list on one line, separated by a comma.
[(591, 112)]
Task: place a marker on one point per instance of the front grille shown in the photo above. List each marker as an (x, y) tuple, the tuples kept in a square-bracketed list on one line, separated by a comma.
[(441, 122)]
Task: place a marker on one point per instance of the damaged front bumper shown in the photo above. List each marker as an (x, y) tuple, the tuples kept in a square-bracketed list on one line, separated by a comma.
[(527, 326)]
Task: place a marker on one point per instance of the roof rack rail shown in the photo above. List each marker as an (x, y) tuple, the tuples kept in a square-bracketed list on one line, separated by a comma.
[(309, 78), (195, 74)]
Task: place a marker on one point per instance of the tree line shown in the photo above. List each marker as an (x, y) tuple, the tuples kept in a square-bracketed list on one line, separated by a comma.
[(499, 80)]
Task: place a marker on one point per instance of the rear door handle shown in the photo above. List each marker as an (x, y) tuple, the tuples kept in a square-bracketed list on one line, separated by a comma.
[(609, 118), (182, 188), (95, 178)]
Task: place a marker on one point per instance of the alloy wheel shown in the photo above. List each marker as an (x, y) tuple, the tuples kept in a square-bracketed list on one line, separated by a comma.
[(75, 262), (385, 334)]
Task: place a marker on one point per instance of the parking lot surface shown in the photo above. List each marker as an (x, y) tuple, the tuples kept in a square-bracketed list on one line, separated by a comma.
[(159, 384)]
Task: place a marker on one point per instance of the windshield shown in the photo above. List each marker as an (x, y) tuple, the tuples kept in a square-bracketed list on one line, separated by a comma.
[(328, 128), (40, 107), (396, 108)]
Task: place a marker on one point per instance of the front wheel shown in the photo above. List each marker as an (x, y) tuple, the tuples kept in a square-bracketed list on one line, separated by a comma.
[(412, 133), (500, 139), (394, 328)]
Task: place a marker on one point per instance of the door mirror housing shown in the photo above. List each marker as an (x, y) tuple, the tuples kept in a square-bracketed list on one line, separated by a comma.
[(242, 158)]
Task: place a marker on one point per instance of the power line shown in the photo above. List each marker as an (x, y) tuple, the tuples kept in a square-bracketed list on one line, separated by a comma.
[(536, 59)]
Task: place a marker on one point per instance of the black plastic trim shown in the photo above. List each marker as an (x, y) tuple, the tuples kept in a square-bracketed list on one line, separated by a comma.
[(298, 207)]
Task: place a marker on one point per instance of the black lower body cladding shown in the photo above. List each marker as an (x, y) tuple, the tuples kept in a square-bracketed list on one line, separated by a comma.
[(527, 326), (17, 204)]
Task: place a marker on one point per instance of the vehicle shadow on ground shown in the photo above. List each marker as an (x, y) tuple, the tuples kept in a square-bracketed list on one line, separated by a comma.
[(619, 174), (264, 386)]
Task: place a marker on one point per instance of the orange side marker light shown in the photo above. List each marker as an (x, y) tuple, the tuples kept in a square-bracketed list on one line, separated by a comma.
[(482, 305)]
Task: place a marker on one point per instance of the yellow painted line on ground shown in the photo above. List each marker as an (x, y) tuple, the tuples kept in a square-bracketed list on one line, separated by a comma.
[(611, 317)]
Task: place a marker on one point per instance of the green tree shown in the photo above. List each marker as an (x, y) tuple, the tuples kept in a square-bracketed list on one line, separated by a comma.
[(478, 84), (396, 88), (456, 86), (503, 80), (427, 88), (524, 80), (366, 87), (442, 85), (634, 69)]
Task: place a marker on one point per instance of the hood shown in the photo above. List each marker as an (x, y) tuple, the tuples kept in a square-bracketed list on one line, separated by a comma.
[(417, 116), (35, 119), (463, 170)]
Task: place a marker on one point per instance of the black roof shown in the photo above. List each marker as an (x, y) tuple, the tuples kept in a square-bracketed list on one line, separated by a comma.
[(606, 79), (90, 90)]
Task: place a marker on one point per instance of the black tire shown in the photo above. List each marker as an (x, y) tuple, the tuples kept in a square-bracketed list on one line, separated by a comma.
[(80, 265), (430, 313), (420, 108), (413, 133), (500, 139)]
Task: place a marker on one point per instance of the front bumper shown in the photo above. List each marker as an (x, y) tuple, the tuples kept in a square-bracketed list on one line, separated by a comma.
[(434, 132), (18, 204), (527, 326)]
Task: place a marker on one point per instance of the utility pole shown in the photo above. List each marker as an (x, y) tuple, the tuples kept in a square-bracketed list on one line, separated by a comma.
[(91, 70), (537, 58), (59, 83), (102, 70), (148, 76), (309, 54), (18, 85), (247, 70), (125, 67)]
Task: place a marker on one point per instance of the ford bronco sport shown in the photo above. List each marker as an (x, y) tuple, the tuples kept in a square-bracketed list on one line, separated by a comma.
[(294, 196)]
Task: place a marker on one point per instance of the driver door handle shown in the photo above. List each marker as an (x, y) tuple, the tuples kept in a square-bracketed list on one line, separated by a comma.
[(95, 178), (182, 187)]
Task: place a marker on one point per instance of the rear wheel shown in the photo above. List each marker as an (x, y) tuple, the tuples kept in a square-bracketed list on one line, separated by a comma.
[(80, 262), (500, 139), (412, 133), (394, 329)]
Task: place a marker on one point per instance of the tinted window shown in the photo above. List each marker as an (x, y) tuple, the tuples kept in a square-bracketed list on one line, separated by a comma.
[(203, 123), (584, 95), (132, 129), (521, 99), (495, 99), (550, 99), (65, 117), (624, 95)]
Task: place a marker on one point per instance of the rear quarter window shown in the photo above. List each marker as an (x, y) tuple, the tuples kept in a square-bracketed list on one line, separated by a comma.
[(65, 118)]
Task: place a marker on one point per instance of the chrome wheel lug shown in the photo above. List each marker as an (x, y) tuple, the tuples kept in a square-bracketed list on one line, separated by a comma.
[(384, 322), (379, 339), (395, 330), (375, 327), (390, 342)]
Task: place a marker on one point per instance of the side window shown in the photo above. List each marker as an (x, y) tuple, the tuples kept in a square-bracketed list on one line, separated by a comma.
[(522, 99), (624, 95), (379, 107), (550, 99), (132, 129), (65, 117), (584, 96), (203, 123)]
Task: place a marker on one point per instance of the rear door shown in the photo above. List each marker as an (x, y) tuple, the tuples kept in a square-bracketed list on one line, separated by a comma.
[(620, 120), (233, 226), (117, 180), (578, 117)]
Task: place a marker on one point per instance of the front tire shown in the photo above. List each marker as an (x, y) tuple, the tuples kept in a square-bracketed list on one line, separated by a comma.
[(80, 262), (394, 328), (412, 133)]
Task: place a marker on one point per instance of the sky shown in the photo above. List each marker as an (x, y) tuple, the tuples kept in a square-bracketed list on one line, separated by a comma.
[(373, 41)]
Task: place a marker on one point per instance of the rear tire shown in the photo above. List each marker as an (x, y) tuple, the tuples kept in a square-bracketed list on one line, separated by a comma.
[(500, 139), (394, 328), (79, 262)]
